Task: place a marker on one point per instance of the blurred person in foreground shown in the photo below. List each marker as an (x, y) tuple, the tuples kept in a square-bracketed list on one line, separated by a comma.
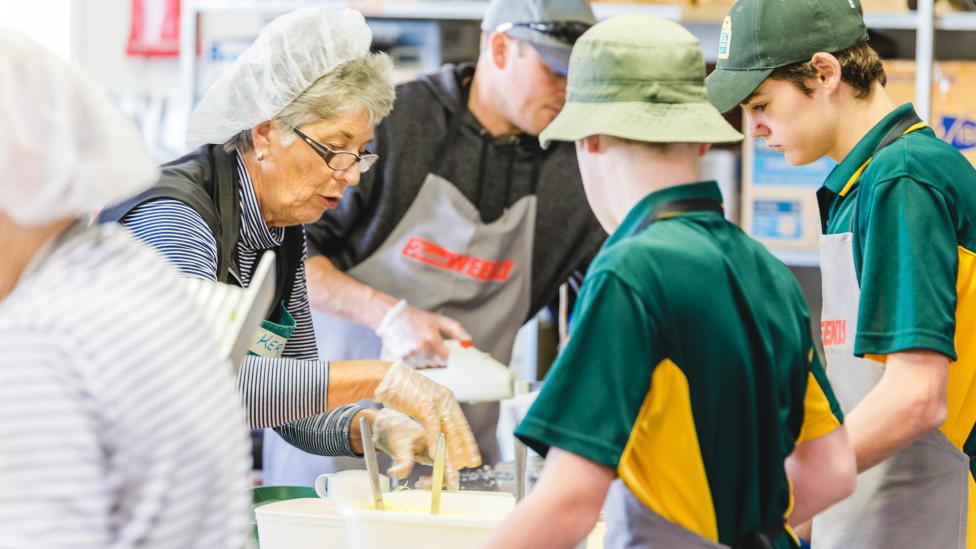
[(119, 424)]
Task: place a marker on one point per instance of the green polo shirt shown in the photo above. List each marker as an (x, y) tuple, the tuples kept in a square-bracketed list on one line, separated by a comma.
[(909, 211), (912, 213), (690, 370)]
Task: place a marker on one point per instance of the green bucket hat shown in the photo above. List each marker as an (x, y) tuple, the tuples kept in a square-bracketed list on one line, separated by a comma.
[(638, 77), (759, 36)]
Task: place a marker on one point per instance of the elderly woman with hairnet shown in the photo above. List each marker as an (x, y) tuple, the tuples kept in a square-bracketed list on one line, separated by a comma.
[(283, 132), (106, 386)]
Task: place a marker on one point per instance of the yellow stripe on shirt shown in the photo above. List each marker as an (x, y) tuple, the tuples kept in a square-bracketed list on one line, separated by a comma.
[(662, 462)]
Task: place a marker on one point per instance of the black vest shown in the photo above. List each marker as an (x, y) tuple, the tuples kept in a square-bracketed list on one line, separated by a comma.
[(207, 181)]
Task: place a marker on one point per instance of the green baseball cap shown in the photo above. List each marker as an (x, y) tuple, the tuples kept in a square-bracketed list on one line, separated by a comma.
[(638, 77), (759, 36)]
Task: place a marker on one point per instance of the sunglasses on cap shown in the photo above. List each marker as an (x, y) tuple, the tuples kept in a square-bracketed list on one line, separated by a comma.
[(567, 32)]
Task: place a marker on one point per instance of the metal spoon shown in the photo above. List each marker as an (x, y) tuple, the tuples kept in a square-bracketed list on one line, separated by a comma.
[(372, 467)]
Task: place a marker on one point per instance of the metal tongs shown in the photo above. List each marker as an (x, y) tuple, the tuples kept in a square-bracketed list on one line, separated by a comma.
[(437, 480), (372, 467), (521, 450)]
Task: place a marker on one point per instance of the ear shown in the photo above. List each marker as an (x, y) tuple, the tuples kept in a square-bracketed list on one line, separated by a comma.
[(828, 70), (592, 144), (498, 44), (263, 135), (704, 148)]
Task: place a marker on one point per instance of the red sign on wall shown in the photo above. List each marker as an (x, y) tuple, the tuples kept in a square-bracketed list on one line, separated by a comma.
[(155, 28)]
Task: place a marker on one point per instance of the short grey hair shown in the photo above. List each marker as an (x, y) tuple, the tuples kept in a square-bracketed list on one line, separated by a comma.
[(363, 83)]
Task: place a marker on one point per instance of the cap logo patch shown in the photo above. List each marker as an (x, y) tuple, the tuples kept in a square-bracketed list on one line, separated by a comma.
[(725, 39)]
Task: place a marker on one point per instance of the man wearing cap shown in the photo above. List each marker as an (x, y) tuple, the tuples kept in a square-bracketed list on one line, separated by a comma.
[(702, 392), (466, 227), (899, 221)]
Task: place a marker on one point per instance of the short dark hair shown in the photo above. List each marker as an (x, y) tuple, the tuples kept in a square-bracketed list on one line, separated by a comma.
[(860, 68)]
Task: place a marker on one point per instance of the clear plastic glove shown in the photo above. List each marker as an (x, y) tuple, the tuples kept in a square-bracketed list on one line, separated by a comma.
[(405, 441), (434, 407), (416, 337)]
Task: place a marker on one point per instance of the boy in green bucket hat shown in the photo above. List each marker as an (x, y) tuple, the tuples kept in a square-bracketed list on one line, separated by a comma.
[(897, 256), (689, 389)]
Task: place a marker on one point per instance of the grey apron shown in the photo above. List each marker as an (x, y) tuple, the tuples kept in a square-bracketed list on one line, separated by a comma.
[(442, 258), (633, 525), (915, 499)]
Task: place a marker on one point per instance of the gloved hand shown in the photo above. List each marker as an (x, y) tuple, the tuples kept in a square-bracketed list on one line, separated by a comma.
[(405, 441), (434, 407), (415, 336)]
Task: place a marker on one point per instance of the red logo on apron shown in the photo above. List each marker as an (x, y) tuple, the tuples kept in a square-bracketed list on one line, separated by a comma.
[(474, 267), (833, 332)]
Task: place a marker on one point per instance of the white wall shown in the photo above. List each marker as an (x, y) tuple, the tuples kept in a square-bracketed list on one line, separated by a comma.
[(102, 30), (146, 88), (48, 22)]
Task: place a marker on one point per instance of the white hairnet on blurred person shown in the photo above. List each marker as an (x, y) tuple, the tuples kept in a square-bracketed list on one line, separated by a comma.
[(65, 149), (290, 54)]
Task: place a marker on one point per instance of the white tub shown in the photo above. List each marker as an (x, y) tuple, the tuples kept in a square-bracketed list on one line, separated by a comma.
[(307, 523), (466, 520)]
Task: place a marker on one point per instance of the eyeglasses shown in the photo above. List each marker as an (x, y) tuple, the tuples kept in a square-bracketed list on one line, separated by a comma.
[(567, 32), (340, 160)]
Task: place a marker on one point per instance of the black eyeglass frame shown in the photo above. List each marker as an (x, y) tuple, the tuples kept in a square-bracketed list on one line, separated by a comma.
[(366, 161), (567, 32)]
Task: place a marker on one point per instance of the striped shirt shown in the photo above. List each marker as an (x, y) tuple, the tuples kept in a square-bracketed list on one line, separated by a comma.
[(119, 424), (285, 393)]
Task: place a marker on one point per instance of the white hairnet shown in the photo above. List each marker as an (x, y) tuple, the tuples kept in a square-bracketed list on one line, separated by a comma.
[(289, 55), (65, 149)]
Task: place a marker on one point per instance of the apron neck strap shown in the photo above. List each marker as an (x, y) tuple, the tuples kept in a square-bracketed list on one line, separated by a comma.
[(905, 125), (228, 202), (454, 126), (678, 207), (536, 170)]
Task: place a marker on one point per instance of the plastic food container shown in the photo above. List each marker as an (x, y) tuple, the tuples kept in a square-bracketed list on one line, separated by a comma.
[(466, 520), (306, 523), (270, 494)]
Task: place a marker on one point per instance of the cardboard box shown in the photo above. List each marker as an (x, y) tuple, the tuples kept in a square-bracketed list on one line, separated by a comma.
[(884, 6), (953, 101), (779, 202), (665, 2)]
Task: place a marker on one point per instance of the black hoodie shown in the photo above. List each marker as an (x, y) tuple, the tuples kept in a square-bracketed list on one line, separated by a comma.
[(567, 236)]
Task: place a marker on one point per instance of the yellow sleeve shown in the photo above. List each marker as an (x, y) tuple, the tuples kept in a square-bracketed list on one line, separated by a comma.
[(819, 416)]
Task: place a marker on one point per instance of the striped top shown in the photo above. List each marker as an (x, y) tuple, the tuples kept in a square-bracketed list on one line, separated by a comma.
[(119, 424), (286, 393)]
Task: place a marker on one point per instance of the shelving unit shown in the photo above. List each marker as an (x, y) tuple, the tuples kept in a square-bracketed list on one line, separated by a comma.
[(922, 21)]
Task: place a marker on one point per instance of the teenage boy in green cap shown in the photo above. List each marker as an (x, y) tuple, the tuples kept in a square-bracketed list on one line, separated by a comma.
[(690, 373), (899, 272)]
